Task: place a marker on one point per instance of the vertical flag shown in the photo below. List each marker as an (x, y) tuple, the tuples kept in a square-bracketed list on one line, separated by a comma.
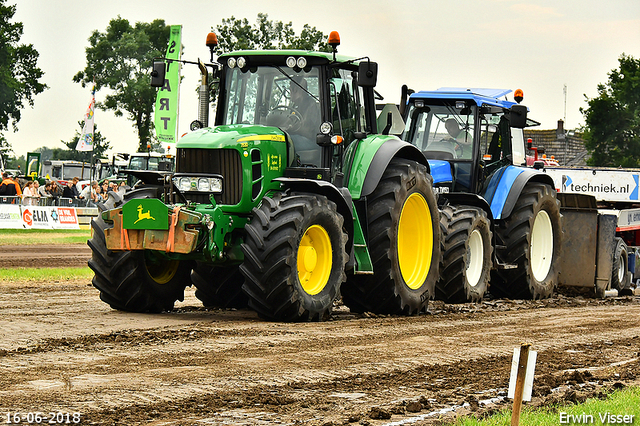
[(86, 139), (166, 112)]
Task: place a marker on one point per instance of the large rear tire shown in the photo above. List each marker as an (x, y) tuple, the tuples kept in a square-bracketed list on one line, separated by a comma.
[(295, 257), (404, 244), (135, 281), (466, 258), (219, 287), (529, 238)]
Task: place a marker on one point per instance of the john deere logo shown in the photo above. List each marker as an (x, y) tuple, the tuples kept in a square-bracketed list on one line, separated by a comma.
[(145, 214)]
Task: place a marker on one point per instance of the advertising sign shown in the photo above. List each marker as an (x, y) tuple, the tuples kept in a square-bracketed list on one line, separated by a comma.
[(10, 217), (37, 217), (608, 185), (49, 217)]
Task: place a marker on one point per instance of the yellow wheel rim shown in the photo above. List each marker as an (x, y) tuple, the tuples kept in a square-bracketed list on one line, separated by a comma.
[(415, 241), (161, 270), (314, 259)]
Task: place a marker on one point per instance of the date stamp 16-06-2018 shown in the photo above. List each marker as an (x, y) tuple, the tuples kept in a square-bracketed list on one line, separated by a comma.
[(40, 417)]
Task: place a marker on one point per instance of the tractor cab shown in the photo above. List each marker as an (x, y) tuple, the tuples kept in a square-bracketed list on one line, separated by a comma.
[(313, 97), (466, 134)]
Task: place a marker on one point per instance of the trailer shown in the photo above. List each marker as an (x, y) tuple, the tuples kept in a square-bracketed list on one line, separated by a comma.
[(615, 192)]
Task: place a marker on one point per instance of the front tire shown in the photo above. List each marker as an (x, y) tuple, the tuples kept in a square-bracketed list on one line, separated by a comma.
[(135, 281), (295, 257), (529, 238), (466, 258), (404, 244)]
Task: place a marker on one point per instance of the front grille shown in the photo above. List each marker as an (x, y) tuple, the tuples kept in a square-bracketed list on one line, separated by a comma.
[(225, 162)]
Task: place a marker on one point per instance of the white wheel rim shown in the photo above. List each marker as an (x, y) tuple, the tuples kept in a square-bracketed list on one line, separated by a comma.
[(541, 246), (475, 258), (621, 268)]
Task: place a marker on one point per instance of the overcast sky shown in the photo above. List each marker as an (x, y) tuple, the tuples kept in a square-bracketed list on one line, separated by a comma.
[(536, 45)]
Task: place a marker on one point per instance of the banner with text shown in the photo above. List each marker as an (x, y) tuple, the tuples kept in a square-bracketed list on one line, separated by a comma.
[(15, 216), (166, 110), (10, 216), (49, 217)]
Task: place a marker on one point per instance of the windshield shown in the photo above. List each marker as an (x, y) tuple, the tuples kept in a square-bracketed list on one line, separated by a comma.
[(138, 163), (441, 131), (151, 163), (279, 97)]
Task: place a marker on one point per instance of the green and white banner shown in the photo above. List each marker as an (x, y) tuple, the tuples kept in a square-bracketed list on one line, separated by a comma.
[(166, 112)]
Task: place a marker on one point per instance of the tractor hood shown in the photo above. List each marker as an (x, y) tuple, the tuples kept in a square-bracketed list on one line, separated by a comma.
[(226, 136)]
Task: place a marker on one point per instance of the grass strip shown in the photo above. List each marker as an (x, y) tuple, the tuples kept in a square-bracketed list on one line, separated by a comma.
[(611, 410), (8, 275), (43, 236)]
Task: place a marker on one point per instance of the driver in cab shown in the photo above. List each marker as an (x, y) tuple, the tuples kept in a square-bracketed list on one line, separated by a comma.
[(459, 138), (305, 121)]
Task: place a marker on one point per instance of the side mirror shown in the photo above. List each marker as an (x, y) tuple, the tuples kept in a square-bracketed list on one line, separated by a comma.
[(518, 116), (368, 74), (158, 74)]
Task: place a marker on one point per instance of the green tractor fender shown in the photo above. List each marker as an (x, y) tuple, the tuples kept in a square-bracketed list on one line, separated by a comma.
[(342, 198), (372, 157)]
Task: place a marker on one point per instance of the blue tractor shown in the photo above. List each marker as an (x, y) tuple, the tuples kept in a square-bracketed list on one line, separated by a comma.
[(500, 220)]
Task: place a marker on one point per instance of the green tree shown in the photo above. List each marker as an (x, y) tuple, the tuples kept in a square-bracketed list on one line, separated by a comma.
[(19, 74), (120, 59), (612, 119), (238, 34)]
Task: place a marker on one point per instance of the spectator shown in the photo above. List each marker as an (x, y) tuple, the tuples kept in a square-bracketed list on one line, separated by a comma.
[(45, 191), (55, 191), (9, 188), (70, 191), (16, 184), (36, 189), (96, 194), (74, 188), (29, 194), (105, 188), (85, 195)]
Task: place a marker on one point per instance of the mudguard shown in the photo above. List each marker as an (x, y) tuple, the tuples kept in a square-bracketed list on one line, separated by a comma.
[(505, 186), (466, 199), (371, 159), (341, 198), (441, 171)]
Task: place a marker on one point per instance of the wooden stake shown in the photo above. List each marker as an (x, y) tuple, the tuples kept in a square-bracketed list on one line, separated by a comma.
[(522, 372)]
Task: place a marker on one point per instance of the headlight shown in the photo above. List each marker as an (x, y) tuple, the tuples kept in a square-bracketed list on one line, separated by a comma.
[(242, 62), (216, 184), (301, 62), (326, 128), (198, 184), (203, 185), (231, 62), (291, 62), (185, 184)]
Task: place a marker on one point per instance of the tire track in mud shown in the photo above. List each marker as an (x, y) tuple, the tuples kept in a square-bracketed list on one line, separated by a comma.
[(226, 361)]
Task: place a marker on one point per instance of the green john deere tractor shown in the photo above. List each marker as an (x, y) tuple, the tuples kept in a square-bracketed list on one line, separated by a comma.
[(293, 199)]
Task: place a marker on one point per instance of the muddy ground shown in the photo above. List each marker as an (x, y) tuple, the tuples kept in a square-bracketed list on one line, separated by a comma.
[(64, 351)]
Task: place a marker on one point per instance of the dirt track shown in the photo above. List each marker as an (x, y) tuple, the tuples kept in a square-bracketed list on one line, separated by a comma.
[(45, 255), (63, 350)]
